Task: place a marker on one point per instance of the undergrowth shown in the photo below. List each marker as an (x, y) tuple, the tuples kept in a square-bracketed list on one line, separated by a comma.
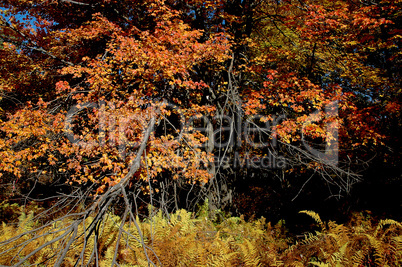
[(183, 239)]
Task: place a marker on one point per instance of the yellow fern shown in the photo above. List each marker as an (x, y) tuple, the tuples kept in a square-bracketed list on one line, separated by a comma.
[(250, 254), (315, 216)]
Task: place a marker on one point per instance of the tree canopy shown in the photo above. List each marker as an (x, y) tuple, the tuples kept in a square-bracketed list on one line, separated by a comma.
[(198, 94)]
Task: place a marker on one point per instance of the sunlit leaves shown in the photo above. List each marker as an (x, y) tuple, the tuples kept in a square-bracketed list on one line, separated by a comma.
[(95, 79)]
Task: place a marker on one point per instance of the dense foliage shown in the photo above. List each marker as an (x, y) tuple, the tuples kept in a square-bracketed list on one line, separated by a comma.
[(183, 239)]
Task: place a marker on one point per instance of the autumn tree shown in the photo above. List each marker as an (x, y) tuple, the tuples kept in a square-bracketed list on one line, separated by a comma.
[(94, 80), (179, 100), (315, 52)]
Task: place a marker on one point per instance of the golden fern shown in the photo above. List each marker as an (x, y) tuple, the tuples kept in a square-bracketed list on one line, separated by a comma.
[(108, 238), (320, 264), (315, 216), (180, 239), (250, 254), (310, 238), (221, 254), (378, 249), (382, 223), (183, 219), (397, 241)]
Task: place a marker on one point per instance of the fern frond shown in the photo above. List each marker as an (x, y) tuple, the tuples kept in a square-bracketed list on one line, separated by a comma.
[(319, 264), (378, 250), (339, 257), (382, 223), (250, 254), (310, 238), (315, 216)]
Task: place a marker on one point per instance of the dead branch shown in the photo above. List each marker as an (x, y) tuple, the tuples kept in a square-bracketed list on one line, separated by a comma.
[(69, 233)]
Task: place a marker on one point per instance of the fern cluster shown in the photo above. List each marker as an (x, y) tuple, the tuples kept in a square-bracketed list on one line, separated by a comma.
[(183, 239), (360, 243)]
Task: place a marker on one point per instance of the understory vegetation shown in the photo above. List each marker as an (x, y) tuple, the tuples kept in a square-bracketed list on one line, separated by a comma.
[(196, 239)]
